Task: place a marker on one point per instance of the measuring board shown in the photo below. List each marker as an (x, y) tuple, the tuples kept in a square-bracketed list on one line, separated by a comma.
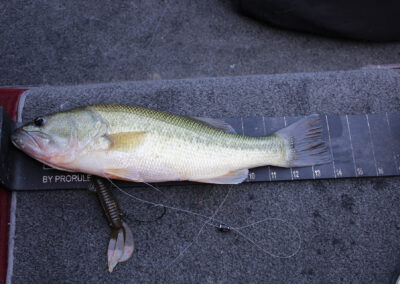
[(366, 145)]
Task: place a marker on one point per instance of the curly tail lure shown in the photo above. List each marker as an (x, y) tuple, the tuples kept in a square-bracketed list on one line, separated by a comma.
[(121, 245)]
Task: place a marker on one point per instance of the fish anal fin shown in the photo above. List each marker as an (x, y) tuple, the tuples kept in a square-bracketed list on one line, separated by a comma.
[(232, 177), (124, 141), (122, 174), (216, 123)]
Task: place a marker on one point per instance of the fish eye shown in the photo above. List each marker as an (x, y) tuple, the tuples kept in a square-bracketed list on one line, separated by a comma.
[(39, 121)]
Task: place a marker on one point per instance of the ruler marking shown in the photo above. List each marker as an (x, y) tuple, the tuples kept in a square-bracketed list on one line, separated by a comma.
[(241, 120), (372, 144), (291, 170), (330, 146), (391, 140), (265, 133), (351, 144)]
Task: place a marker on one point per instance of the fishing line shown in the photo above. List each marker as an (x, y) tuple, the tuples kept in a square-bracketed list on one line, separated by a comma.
[(153, 187), (156, 204), (235, 229), (201, 230), (212, 221), (135, 219), (158, 217), (223, 224)]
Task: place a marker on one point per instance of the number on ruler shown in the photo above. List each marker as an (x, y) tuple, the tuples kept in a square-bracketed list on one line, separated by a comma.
[(360, 171), (252, 176), (296, 174), (273, 175), (339, 172), (380, 171), (317, 173)]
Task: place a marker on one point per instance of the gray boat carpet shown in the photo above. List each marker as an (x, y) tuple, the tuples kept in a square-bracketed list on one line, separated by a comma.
[(73, 42), (330, 231)]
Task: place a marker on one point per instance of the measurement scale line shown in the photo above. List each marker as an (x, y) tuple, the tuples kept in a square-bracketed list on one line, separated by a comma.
[(265, 133), (330, 146), (372, 144), (391, 140), (241, 120), (351, 144), (291, 169)]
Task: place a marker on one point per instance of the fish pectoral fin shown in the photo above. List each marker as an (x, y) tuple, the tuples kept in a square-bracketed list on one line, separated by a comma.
[(216, 123), (122, 174), (233, 177), (125, 141)]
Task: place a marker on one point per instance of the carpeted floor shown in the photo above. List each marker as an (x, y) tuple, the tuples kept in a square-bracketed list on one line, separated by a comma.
[(57, 42), (347, 229)]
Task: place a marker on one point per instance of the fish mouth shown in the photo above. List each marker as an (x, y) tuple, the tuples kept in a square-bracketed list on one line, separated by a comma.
[(26, 142)]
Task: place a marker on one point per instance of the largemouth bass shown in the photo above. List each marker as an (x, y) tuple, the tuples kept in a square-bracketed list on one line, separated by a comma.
[(144, 145)]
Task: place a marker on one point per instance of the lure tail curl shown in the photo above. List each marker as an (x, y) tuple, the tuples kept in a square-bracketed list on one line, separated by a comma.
[(120, 246)]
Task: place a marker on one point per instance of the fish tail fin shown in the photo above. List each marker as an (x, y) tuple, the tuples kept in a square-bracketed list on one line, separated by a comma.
[(304, 144)]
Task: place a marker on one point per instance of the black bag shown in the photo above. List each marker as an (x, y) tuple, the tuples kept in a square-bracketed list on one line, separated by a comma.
[(354, 19)]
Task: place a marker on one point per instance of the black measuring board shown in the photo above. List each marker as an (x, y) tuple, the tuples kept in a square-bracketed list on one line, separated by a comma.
[(393, 121), (6, 128), (360, 146), (382, 144), (236, 124), (341, 147), (325, 170), (363, 152)]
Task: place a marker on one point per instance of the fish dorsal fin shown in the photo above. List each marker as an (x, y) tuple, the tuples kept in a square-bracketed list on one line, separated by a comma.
[(233, 177), (216, 123), (124, 141)]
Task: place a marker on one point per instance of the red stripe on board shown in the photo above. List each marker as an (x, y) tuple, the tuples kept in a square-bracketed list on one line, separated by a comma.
[(9, 100)]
